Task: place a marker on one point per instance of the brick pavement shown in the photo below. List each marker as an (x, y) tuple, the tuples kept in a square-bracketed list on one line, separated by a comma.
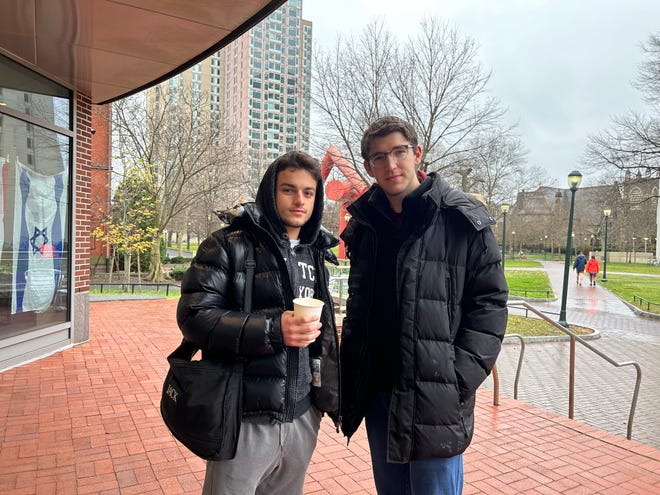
[(86, 421)]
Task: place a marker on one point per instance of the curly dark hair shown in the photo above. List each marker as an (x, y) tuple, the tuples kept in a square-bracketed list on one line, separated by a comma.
[(299, 160)]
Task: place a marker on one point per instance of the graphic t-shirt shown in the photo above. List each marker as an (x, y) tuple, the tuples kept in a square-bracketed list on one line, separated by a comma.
[(303, 281)]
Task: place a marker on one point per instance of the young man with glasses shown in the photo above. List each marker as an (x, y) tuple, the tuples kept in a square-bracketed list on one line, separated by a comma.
[(425, 318)]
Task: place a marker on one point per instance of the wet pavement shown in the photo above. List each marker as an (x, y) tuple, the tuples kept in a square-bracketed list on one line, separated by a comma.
[(603, 392)]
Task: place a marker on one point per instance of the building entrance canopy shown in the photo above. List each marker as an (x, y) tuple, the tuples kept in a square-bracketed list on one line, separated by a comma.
[(109, 49)]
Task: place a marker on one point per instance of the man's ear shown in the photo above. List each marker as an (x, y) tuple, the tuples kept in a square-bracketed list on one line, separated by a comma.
[(368, 168), (418, 155)]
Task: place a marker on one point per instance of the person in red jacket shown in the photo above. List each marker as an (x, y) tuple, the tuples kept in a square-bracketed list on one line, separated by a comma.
[(592, 269)]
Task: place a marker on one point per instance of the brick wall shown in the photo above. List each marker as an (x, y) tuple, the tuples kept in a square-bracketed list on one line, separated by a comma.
[(82, 184)]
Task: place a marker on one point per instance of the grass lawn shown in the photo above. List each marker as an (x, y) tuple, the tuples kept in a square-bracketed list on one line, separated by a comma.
[(518, 263), (630, 268), (534, 327), (529, 283), (627, 286)]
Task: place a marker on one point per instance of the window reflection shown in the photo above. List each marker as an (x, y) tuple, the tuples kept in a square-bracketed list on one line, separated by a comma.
[(34, 203)]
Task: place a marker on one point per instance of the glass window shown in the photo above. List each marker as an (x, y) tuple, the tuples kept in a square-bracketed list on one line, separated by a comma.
[(32, 94), (35, 161)]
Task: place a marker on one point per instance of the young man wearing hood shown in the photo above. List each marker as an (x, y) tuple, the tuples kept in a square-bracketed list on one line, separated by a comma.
[(425, 316), (281, 407)]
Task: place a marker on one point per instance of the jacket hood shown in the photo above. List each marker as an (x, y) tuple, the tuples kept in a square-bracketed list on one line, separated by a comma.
[(265, 201)]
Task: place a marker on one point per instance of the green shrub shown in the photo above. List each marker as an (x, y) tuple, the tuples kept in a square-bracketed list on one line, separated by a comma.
[(177, 274)]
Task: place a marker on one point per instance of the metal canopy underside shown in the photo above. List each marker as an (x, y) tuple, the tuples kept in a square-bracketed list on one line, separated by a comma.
[(108, 49)]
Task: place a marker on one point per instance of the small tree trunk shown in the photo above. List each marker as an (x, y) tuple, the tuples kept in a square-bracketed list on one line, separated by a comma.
[(112, 266), (127, 269), (139, 271), (179, 243), (156, 268)]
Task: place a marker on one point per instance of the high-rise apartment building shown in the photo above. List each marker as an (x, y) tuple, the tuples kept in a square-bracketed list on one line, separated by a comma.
[(258, 87), (267, 87)]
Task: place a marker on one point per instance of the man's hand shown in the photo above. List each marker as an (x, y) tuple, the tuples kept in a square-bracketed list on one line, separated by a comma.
[(299, 331)]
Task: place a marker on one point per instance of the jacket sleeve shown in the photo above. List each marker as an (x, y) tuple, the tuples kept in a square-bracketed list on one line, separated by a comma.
[(484, 317), (209, 311)]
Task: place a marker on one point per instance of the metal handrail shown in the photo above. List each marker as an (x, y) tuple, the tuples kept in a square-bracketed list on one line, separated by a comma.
[(496, 379), (571, 379), (340, 282)]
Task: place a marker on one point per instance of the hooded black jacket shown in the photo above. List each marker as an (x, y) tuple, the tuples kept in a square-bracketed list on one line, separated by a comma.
[(209, 312), (451, 295)]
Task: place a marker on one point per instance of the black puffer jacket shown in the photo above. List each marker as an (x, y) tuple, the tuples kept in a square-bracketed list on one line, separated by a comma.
[(209, 311), (452, 296)]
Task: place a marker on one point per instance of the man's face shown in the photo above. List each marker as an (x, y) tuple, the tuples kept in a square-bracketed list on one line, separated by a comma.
[(294, 197), (393, 163)]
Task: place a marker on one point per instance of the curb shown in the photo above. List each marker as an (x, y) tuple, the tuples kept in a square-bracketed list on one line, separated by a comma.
[(641, 312), (122, 297), (553, 338)]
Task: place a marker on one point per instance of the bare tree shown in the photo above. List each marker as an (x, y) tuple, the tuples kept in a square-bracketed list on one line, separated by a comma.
[(434, 81), (633, 141), (174, 137), (350, 89), (441, 89)]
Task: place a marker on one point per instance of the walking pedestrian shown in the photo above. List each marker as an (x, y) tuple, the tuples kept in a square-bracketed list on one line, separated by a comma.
[(579, 265), (592, 269)]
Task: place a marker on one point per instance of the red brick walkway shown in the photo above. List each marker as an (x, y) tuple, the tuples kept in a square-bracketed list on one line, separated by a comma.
[(86, 421)]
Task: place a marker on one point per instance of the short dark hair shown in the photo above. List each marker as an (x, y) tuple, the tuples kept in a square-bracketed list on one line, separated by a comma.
[(384, 126), (299, 160)]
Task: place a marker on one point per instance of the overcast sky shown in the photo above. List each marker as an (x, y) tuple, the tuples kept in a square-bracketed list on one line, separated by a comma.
[(560, 67)]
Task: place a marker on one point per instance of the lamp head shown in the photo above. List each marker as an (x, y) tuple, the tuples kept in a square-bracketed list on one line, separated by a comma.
[(607, 212), (505, 208), (574, 180)]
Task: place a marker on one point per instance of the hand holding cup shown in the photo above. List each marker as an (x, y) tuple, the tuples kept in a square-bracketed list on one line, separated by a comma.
[(301, 326)]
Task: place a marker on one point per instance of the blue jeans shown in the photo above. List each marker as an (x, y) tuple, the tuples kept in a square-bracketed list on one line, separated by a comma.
[(433, 476)]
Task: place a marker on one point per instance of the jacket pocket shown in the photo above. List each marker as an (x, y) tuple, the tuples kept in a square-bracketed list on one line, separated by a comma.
[(450, 306)]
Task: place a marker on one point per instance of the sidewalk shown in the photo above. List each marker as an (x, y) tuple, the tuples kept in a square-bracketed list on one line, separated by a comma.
[(86, 421), (603, 392)]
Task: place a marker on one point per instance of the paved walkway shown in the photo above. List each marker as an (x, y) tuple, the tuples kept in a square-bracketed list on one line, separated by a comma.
[(603, 392), (86, 421)]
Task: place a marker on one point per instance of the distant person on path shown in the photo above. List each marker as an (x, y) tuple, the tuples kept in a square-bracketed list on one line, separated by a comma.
[(282, 399), (592, 269), (426, 314), (579, 265)]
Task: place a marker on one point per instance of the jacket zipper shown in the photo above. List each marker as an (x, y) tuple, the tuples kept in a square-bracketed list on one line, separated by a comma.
[(363, 345)]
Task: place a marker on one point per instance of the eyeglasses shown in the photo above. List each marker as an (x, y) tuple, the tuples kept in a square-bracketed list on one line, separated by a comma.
[(398, 153)]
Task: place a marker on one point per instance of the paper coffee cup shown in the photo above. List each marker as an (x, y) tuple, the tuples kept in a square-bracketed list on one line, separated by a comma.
[(307, 306)]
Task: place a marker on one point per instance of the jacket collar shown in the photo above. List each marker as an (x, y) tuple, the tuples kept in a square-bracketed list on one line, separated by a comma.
[(439, 195)]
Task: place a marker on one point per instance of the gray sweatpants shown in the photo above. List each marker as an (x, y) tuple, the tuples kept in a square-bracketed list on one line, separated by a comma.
[(270, 459)]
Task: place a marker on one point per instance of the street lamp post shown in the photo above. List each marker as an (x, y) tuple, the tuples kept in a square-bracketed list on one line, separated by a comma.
[(513, 244), (607, 212), (634, 254), (646, 239), (574, 179), (505, 210)]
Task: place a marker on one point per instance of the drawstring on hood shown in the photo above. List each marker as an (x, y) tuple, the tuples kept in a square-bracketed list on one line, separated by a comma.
[(266, 202)]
